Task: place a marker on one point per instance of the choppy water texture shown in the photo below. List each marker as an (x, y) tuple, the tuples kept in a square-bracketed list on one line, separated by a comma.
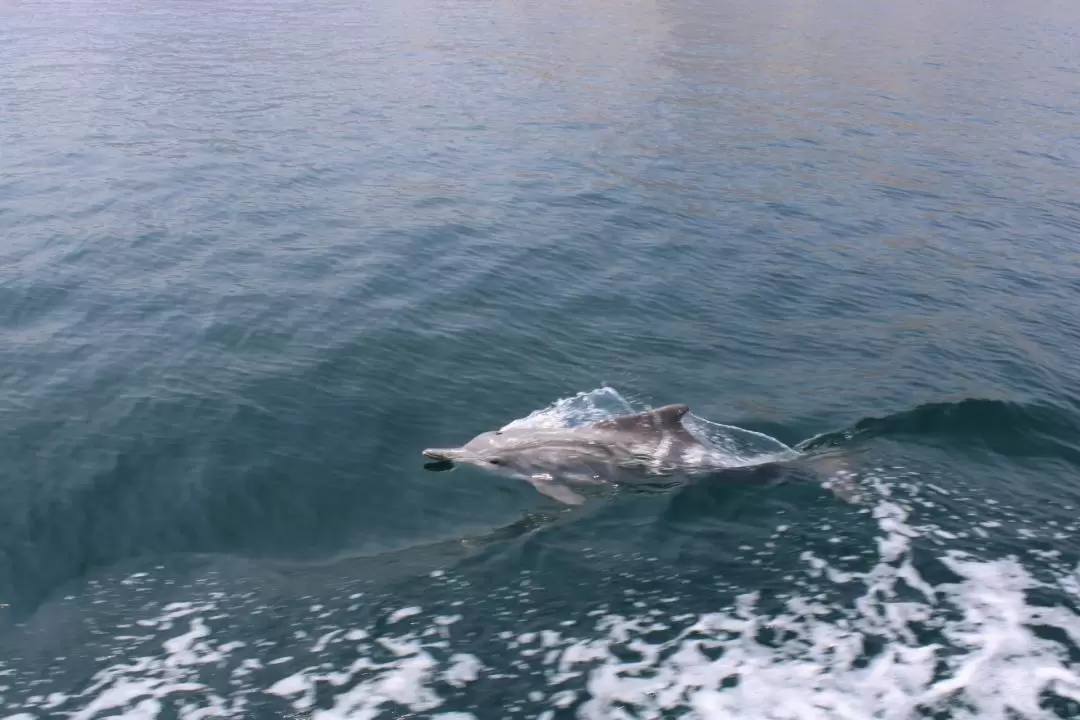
[(257, 255)]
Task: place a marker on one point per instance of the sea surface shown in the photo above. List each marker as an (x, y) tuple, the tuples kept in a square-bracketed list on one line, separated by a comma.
[(256, 256)]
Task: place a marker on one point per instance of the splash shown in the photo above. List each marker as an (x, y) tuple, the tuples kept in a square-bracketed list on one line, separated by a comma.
[(580, 409), (728, 445)]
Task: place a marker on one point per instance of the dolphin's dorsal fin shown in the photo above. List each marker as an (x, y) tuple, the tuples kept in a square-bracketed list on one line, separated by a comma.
[(668, 417)]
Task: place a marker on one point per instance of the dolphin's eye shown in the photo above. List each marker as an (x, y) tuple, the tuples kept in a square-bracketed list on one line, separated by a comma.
[(495, 461)]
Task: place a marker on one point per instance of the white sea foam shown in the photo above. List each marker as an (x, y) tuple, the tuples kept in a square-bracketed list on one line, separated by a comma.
[(809, 660)]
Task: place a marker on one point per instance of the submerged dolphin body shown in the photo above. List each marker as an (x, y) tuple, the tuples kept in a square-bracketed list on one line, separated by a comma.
[(651, 443)]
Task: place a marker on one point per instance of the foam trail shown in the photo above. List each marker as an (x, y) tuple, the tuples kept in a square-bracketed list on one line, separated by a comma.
[(899, 649)]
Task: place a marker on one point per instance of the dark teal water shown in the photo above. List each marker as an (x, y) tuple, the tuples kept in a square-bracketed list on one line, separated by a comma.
[(255, 256)]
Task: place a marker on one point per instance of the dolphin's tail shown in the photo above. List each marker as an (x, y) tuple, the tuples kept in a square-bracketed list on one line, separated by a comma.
[(839, 477)]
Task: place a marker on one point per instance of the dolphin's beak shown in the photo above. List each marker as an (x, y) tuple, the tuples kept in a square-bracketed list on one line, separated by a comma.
[(442, 454)]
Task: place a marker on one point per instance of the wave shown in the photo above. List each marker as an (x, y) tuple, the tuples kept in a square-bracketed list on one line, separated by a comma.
[(1010, 429)]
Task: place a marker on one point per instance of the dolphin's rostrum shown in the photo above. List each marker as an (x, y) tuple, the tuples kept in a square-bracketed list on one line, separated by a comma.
[(554, 460)]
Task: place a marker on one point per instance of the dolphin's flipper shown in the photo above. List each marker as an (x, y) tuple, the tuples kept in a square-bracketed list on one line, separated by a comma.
[(548, 486)]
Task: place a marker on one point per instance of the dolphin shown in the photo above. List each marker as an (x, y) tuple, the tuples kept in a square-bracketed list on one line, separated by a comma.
[(555, 460)]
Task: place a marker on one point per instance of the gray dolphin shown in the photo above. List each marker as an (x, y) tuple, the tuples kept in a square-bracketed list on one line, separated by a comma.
[(650, 443)]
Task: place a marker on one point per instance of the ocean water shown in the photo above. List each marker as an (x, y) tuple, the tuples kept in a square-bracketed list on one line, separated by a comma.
[(255, 256)]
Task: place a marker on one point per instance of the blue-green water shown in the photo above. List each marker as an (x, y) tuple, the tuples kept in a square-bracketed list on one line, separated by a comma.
[(255, 256)]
